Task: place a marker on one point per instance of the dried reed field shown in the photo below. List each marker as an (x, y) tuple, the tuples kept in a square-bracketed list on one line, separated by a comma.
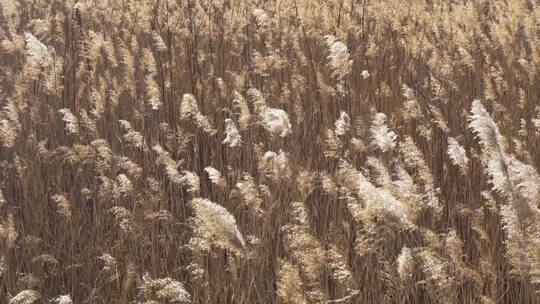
[(279, 151)]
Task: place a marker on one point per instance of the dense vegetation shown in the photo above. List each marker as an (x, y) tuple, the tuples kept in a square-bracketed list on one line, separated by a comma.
[(283, 151)]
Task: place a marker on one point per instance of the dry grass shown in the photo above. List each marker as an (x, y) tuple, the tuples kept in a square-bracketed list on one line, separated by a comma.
[(285, 151)]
